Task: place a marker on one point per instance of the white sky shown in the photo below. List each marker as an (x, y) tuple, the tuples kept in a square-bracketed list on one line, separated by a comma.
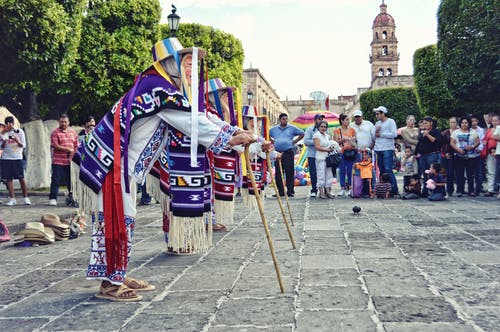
[(302, 46)]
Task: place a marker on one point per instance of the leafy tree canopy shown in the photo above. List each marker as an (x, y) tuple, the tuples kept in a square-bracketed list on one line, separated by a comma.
[(469, 48), (433, 97)]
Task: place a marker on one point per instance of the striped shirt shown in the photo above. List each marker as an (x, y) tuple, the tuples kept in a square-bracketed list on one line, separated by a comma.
[(67, 138), (382, 188)]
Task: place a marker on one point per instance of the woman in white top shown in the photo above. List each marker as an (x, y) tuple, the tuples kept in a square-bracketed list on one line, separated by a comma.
[(324, 145), (465, 141)]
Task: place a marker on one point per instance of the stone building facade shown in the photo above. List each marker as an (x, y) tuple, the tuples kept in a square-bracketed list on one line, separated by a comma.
[(264, 96)]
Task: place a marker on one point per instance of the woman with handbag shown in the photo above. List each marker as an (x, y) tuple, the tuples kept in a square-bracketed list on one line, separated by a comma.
[(465, 141), (323, 146), (346, 138)]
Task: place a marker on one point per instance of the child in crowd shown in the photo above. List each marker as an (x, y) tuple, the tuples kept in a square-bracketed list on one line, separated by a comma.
[(383, 187), (414, 188), (410, 166), (436, 183), (398, 157), (365, 167)]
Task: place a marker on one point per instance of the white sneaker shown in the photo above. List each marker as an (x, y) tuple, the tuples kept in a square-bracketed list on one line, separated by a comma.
[(27, 201), (313, 194), (341, 193), (11, 202), (52, 202)]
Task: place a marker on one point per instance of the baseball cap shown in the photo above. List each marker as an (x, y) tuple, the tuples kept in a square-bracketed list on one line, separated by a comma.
[(380, 109), (317, 116), (357, 113)]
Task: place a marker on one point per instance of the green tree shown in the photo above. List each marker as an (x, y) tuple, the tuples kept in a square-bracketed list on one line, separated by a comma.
[(38, 50), (433, 97), (468, 43), (400, 103), (116, 46), (225, 52)]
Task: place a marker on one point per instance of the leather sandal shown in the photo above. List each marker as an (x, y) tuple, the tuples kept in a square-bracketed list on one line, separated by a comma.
[(118, 293), (138, 285)]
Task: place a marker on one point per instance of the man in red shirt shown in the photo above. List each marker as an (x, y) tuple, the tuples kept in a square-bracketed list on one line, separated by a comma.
[(64, 142)]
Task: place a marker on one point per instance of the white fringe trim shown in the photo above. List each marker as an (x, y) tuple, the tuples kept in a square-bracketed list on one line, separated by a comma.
[(154, 190), (208, 222), (87, 199), (187, 234), (249, 200), (224, 211)]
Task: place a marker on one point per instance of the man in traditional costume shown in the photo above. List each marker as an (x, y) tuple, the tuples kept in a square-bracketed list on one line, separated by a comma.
[(158, 109)]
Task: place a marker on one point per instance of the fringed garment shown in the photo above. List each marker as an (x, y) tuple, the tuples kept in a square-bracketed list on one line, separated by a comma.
[(146, 113)]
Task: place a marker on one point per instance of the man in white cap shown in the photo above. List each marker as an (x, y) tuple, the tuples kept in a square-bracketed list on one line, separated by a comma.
[(364, 130), (311, 152), (385, 131)]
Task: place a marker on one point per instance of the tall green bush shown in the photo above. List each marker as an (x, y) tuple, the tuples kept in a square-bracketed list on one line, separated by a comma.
[(400, 103)]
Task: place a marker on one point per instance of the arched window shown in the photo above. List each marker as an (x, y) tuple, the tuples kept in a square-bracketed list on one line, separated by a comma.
[(384, 35), (381, 72), (389, 72), (376, 35), (384, 50)]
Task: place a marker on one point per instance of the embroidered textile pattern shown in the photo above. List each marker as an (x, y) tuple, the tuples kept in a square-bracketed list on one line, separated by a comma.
[(97, 266)]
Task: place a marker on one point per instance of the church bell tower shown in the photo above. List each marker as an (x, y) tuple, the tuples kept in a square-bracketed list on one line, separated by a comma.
[(384, 55)]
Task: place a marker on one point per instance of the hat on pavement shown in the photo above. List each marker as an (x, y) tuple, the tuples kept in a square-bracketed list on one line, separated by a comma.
[(381, 109), (61, 230), (35, 232), (357, 113), (317, 116)]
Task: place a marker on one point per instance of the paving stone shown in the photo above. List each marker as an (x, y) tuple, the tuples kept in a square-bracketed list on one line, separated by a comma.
[(94, 315), (45, 304), (332, 297), (22, 324), (484, 257), (398, 286), (260, 287), (255, 312), (486, 318), (414, 309), (167, 322), (330, 277), (329, 262), (427, 327), (240, 328), (339, 320), (468, 246)]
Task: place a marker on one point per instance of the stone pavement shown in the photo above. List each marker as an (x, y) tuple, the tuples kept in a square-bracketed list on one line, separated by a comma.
[(398, 266)]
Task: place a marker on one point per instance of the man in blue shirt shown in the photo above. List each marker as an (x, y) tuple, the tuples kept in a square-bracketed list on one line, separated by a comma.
[(285, 136)]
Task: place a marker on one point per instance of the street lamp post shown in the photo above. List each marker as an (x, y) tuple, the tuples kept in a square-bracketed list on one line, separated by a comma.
[(173, 21), (249, 97)]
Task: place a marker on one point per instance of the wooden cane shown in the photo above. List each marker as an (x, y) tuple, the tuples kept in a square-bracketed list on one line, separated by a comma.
[(263, 217), (268, 158), (286, 196)]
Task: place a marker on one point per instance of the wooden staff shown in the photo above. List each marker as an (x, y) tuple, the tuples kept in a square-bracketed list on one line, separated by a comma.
[(268, 158), (286, 196), (263, 217)]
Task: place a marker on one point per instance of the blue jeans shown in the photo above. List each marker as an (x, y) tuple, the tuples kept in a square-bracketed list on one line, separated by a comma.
[(345, 168), (385, 160), (426, 161), (436, 197), (311, 161), (449, 166), (60, 176)]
